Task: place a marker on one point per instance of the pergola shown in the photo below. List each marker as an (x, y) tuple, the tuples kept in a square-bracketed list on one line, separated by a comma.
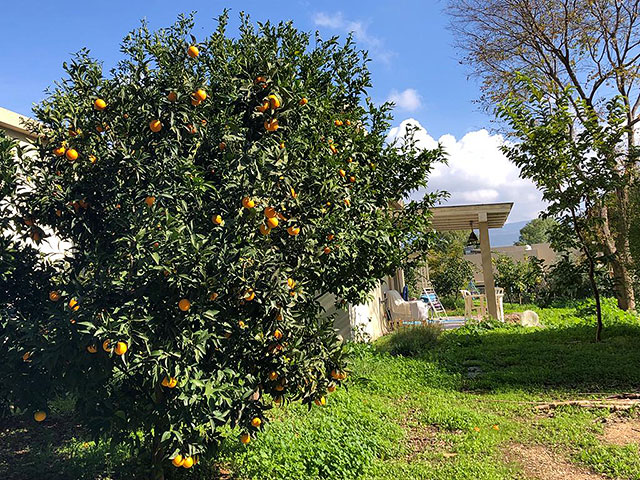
[(482, 217)]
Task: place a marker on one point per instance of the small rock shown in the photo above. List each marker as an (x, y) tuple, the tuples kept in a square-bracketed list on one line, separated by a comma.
[(529, 318)]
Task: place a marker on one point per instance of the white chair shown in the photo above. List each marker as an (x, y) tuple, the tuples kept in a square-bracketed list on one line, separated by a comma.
[(403, 313), (474, 304)]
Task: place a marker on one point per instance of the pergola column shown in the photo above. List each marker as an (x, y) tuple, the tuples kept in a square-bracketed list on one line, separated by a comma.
[(487, 267)]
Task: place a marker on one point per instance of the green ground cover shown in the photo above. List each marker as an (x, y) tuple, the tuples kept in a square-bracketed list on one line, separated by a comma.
[(453, 409)]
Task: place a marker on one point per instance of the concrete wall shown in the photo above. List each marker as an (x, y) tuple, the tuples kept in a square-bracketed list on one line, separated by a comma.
[(366, 319)]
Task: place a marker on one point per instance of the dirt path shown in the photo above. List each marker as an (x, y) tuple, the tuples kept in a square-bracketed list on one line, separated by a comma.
[(622, 431), (540, 463)]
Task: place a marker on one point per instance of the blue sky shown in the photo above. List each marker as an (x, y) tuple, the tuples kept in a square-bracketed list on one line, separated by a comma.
[(408, 41), (413, 62)]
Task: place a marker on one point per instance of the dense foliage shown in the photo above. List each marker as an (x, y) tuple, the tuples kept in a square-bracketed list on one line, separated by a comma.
[(583, 58), (538, 230), (520, 279), (449, 271), (576, 169), (212, 191)]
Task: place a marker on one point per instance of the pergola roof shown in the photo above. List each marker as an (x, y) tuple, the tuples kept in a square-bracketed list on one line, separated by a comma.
[(465, 217)]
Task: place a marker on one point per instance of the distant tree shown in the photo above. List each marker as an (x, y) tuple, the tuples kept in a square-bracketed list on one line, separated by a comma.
[(449, 271), (575, 169), (587, 48), (520, 279), (537, 230)]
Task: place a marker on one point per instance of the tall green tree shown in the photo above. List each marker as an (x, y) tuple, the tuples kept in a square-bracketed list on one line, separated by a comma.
[(574, 169), (538, 230), (212, 189), (586, 49)]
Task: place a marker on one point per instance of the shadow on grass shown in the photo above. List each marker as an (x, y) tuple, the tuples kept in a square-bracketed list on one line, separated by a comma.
[(61, 449), (533, 359)]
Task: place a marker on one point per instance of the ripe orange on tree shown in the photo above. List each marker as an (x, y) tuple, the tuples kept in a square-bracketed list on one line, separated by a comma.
[(248, 203), (200, 94), (58, 152), (271, 125), (92, 349), (121, 348), (270, 212), (293, 231), (193, 51), (264, 230), (39, 416), (54, 296), (177, 460), (99, 104), (155, 126), (272, 222), (184, 304), (172, 96), (275, 101), (245, 438), (150, 200), (263, 107), (256, 422), (71, 154)]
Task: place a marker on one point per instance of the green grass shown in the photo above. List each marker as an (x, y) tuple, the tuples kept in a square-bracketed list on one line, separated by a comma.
[(423, 405)]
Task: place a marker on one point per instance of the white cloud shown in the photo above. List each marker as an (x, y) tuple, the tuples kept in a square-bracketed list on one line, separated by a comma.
[(477, 172), (408, 99), (373, 44)]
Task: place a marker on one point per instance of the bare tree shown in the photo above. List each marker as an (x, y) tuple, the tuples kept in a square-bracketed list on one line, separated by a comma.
[(589, 46)]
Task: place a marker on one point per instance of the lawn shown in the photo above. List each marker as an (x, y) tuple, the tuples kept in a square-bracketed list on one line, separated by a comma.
[(464, 405)]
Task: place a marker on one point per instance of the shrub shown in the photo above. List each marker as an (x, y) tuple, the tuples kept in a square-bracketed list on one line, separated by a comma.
[(211, 190), (520, 279), (410, 341)]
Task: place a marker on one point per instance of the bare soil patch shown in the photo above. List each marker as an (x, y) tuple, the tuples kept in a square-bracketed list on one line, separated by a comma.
[(424, 438), (540, 463), (622, 431)]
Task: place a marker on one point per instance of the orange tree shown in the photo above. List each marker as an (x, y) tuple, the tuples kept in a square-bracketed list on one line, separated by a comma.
[(211, 191)]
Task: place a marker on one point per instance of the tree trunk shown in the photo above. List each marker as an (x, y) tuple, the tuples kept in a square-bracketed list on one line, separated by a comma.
[(596, 295), (617, 251), (157, 457), (592, 274)]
